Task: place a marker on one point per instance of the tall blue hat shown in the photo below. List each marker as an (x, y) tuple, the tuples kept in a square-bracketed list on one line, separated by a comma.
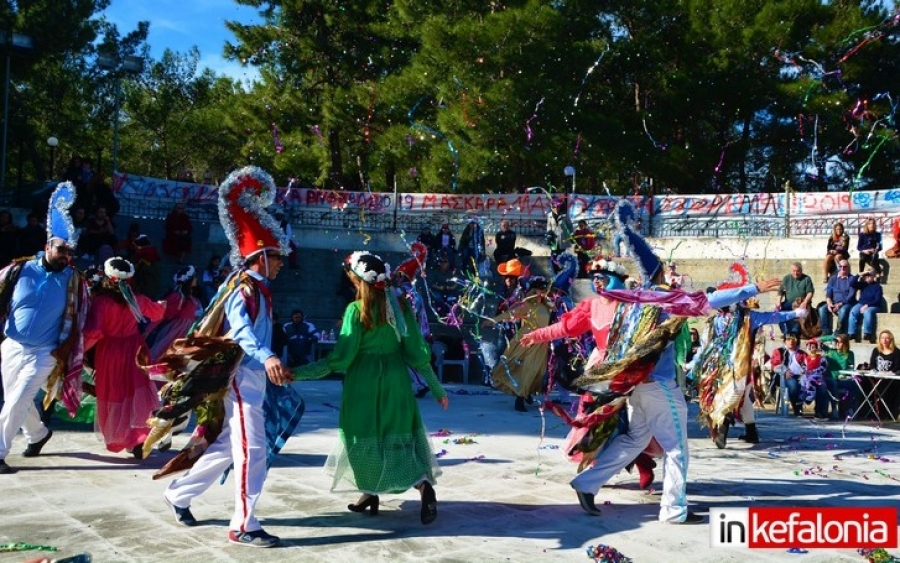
[(648, 263), (59, 222), (568, 265)]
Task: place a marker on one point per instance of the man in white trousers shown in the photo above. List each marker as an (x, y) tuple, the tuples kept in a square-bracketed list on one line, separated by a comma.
[(259, 251)]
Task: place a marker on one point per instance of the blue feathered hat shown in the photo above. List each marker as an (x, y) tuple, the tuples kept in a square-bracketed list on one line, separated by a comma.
[(568, 264), (647, 261), (59, 222)]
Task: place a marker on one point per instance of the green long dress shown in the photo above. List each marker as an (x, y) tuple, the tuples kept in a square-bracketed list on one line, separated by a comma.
[(384, 446)]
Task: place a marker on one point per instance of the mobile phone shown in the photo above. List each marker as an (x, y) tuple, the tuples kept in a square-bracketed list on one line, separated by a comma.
[(80, 558)]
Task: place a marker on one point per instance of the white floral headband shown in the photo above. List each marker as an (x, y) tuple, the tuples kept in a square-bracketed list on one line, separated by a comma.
[(180, 279), (607, 266), (112, 271), (360, 269)]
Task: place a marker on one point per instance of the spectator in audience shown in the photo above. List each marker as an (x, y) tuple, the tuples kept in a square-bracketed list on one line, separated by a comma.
[(838, 249), (585, 241), (100, 231), (505, 243), (33, 236), (427, 238), (886, 357), (177, 242), (559, 227), (840, 296), (869, 245), (840, 391), (790, 362), (289, 236), (894, 251), (444, 287), (147, 262), (211, 278), (301, 335), (126, 247), (867, 305), (471, 246), (673, 278), (9, 238), (447, 244), (796, 293), (73, 173), (94, 194)]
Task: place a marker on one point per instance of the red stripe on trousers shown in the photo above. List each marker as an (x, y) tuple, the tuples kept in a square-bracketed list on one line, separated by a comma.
[(246, 462)]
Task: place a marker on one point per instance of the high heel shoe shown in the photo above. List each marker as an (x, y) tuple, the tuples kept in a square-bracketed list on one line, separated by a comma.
[(371, 503), (429, 503)]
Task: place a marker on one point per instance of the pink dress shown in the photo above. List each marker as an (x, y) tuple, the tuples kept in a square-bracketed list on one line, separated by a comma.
[(126, 397), (181, 313)]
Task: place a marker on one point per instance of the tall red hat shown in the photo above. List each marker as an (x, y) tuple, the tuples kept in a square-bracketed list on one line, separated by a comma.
[(243, 199), (412, 266)]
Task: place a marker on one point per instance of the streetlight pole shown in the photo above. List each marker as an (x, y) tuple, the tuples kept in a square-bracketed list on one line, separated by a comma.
[(21, 43), (130, 65), (52, 142), (569, 171)]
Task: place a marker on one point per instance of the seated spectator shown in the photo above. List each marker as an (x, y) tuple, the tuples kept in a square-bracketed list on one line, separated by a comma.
[(585, 241), (894, 251), (796, 293), (838, 249), (93, 193), (869, 245), (814, 386), (147, 262), (100, 230), (9, 238), (841, 391), (300, 335), (177, 242), (673, 278), (444, 286), (886, 357), (33, 236), (840, 296), (867, 304), (790, 362), (505, 243)]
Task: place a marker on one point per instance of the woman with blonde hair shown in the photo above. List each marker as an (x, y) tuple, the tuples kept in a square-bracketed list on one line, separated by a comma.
[(384, 446), (886, 357), (869, 245), (838, 249)]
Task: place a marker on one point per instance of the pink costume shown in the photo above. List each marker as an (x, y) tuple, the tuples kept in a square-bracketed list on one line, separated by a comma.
[(181, 313), (126, 397)]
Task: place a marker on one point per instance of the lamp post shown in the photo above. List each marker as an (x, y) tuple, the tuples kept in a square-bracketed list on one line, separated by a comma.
[(129, 65), (52, 142), (569, 171), (22, 44)]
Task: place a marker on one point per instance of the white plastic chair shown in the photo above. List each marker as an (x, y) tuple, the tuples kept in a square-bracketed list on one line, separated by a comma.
[(440, 353)]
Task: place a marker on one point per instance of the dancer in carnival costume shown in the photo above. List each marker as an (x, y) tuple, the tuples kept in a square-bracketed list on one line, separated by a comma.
[(247, 430), (635, 362), (182, 311), (384, 447), (520, 370), (404, 279), (723, 364), (125, 395), (43, 301)]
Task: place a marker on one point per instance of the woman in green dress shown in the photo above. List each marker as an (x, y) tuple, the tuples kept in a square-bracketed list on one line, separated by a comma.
[(384, 446)]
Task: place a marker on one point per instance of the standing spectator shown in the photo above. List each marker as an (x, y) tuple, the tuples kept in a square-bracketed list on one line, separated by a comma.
[(894, 251), (585, 240), (447, 244), (33, 236), (427, 238), (385, 448), (41, 344), (73, 174), (838, 249), (471, 246), (673, 278), (100, 231), (790, 362), (840, 296), (177, 242), (505, 243), (289, 236), (869, 245), (867, 305), (96, 194), (559, 227), (886, 357), (126, 397), (301, 335), (9, 238), (796, 293)]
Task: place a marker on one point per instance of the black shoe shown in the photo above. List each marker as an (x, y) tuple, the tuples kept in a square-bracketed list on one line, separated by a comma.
[(183, 516), (429, 504), (529, 400), (259, 538), (138, 451), (691, 518), (34, 450), (421, 392), (5, 469), (371, 503), (520, 404), (751, 435), (586, 500)]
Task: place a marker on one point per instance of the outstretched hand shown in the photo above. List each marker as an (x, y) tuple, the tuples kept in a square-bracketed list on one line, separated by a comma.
[(527, 339), (769, 285), (444, 402)]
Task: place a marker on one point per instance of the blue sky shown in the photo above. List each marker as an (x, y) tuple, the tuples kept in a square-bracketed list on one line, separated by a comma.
[(182, 24)]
